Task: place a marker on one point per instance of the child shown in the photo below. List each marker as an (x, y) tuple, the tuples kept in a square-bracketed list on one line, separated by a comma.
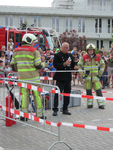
[(7, 69), (51, 67), (1, 70)]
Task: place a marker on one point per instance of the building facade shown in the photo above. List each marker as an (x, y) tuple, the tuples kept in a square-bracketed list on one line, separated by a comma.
[(92, 18)]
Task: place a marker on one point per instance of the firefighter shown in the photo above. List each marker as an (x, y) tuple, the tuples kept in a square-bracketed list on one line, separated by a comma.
[(28, 62), (91, 75)]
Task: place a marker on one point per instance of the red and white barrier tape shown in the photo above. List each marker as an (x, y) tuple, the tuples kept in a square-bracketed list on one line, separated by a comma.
[(41, 78), (32, 87), (34, 118)]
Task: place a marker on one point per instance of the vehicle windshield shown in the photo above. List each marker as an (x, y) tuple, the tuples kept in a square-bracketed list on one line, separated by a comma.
[(50, 42)]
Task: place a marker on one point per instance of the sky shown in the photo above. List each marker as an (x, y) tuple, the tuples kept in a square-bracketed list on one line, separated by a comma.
[(36, 3)]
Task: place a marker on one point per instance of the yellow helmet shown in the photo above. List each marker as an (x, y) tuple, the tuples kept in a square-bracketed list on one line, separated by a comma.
[(90, 46), (29, 38)]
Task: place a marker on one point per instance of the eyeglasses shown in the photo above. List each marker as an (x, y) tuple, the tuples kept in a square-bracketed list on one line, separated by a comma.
[(66, 47), (74, 54)]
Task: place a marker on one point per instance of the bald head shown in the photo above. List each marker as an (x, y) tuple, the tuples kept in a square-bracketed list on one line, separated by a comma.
[(65, 47)]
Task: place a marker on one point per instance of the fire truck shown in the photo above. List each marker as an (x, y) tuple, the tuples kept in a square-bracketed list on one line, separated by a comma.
[(46, 37)]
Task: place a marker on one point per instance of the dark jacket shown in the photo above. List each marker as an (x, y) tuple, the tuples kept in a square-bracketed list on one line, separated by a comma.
[(58, 61)]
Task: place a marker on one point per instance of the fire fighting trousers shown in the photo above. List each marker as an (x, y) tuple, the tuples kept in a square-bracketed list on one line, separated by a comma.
[(97, 88), (37, 102)]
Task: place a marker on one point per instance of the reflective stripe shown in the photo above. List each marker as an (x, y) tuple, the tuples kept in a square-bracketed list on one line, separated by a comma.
[(100, 101), (32, 79), (94, 71), (37, 60), (25, 63), (102, 69), (32, 69), (89, 103), (101, 62), (28, 56), (95, 78), (80, 62), (13, 61), (89, 100)]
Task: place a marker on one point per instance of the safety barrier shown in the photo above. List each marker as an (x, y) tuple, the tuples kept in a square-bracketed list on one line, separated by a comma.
[(17, 85), (31, 86)]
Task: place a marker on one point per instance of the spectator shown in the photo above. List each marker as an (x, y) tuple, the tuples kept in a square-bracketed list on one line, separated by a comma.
[(83, 53), (2, 57), (102, 77), (52, 68), (110, 67), (79, 54), (76, 64), (3, 48), (10, 44), (45, 73), (102, 49), (105, 55), (63, 61), (54, 50), (1, 71), (111, 48), (48, 54), (57, 50), (74, 50), (7, 69), (8, 55)]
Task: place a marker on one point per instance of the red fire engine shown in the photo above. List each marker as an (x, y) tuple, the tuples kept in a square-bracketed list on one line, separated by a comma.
[(45, 36)]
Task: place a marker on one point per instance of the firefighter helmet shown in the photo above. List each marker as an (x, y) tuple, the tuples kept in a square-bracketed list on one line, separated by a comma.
[(90, 46), (29, 38)]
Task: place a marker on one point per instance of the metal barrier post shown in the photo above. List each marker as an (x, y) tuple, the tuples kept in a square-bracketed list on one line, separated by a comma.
[(59, 141)]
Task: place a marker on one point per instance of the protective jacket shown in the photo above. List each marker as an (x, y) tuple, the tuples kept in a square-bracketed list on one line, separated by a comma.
[(91, 64), (28, 62)]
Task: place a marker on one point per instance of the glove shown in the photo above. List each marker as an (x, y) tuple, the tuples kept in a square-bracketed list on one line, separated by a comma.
[(87, 72), (99, 76)]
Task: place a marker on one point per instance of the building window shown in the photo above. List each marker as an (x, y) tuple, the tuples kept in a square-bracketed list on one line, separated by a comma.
[(57, 24), (83, 24), (96, 25), (98, 44), (108, 25), (35, 21), (104, 3), (71, 24), (102, 43), (92, 4), (11, 20), (88, 2), (100, 4), (53, 22), (6, 20), (66, 24), (79, 24), (100, 25), (39, 21), (21, 20), (111, 5), (112, 26)]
